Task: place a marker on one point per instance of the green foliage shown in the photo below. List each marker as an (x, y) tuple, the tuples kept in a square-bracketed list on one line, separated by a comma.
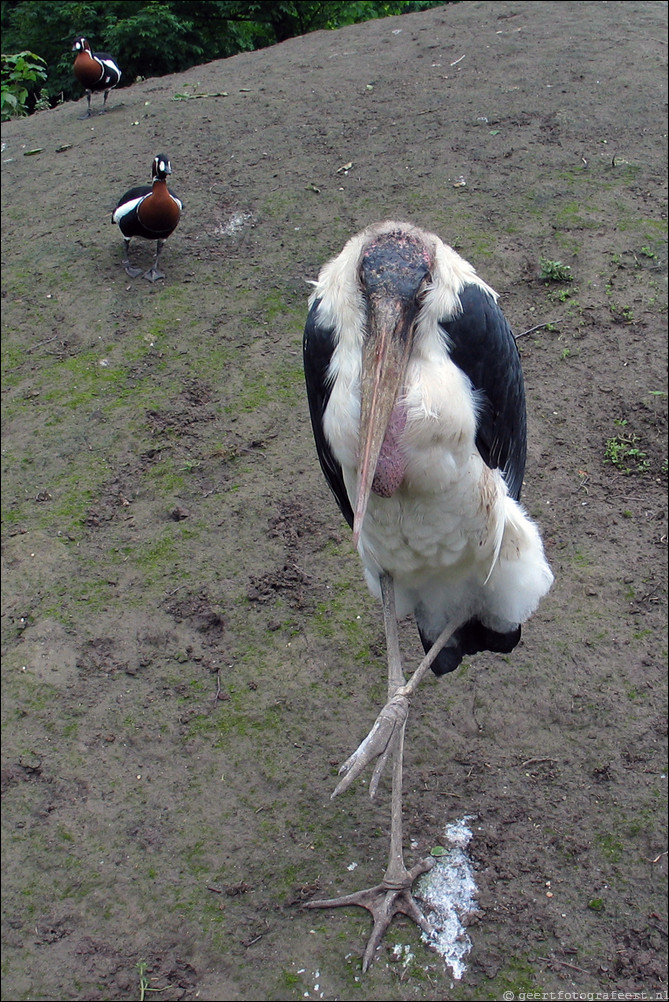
[(153, 42), (623, 452), (155, 37), (19, 71), (555, 271)]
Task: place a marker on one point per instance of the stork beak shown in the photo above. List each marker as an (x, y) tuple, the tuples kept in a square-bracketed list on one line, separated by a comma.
[(385, 357)]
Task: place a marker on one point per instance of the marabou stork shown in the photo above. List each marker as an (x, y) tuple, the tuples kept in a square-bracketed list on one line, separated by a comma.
[(417, 405)]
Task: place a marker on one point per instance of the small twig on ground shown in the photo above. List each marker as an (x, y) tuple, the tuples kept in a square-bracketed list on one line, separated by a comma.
[(538, 327), (40, 343), (192, 97), (573, 967)]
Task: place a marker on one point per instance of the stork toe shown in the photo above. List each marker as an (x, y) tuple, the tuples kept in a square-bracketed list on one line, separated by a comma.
[(383, 902)]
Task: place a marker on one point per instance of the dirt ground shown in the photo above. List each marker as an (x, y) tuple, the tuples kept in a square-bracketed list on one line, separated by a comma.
[(189, 651)]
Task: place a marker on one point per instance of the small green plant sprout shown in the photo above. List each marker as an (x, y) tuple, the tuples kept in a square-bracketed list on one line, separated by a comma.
[(145, 982), (19, 71), (623, 452), (554, 271)]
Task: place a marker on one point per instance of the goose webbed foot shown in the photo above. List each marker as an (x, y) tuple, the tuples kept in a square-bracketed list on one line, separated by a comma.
[(129, 270), (153, 274)]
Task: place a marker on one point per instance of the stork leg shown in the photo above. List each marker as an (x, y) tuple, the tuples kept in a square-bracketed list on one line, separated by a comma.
[(153, 274), (393, 895), (390, 720), (129, 270)]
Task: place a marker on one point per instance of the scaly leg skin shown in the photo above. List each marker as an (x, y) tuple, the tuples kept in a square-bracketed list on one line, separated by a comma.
[(153, 274), (393, 895), (129, 270), (88, 112), (379, 742)]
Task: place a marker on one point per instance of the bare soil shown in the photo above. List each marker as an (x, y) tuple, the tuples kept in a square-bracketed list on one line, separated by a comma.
[(189, 651)]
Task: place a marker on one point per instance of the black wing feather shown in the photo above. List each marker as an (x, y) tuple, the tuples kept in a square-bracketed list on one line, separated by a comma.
[(482, 345), (317, 347)]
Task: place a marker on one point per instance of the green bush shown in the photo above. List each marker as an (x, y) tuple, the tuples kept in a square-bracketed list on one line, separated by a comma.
[(19, 71)]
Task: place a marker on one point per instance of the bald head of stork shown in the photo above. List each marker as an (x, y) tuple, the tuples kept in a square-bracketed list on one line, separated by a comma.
[(395, 269)]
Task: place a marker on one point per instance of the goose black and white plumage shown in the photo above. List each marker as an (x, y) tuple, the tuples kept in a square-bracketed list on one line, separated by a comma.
[(148, 211), (95, 71), (417, 406)]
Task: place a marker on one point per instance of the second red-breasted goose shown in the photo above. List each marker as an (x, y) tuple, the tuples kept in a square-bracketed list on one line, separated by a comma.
[(95, 71), (151, 212)]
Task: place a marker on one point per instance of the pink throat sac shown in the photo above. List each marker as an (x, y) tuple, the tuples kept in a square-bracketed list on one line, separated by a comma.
[(391, 465)]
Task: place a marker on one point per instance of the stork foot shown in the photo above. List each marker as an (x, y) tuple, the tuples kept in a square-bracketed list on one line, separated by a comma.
[(88, 114), (378, 744), (383, 902)]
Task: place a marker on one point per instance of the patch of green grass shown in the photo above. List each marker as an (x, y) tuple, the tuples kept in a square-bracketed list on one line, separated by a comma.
[(516, 978), (570, 216), (285, 384), (291, 980), (623, 452), (166, 477), (162, 552), (610, 846)]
